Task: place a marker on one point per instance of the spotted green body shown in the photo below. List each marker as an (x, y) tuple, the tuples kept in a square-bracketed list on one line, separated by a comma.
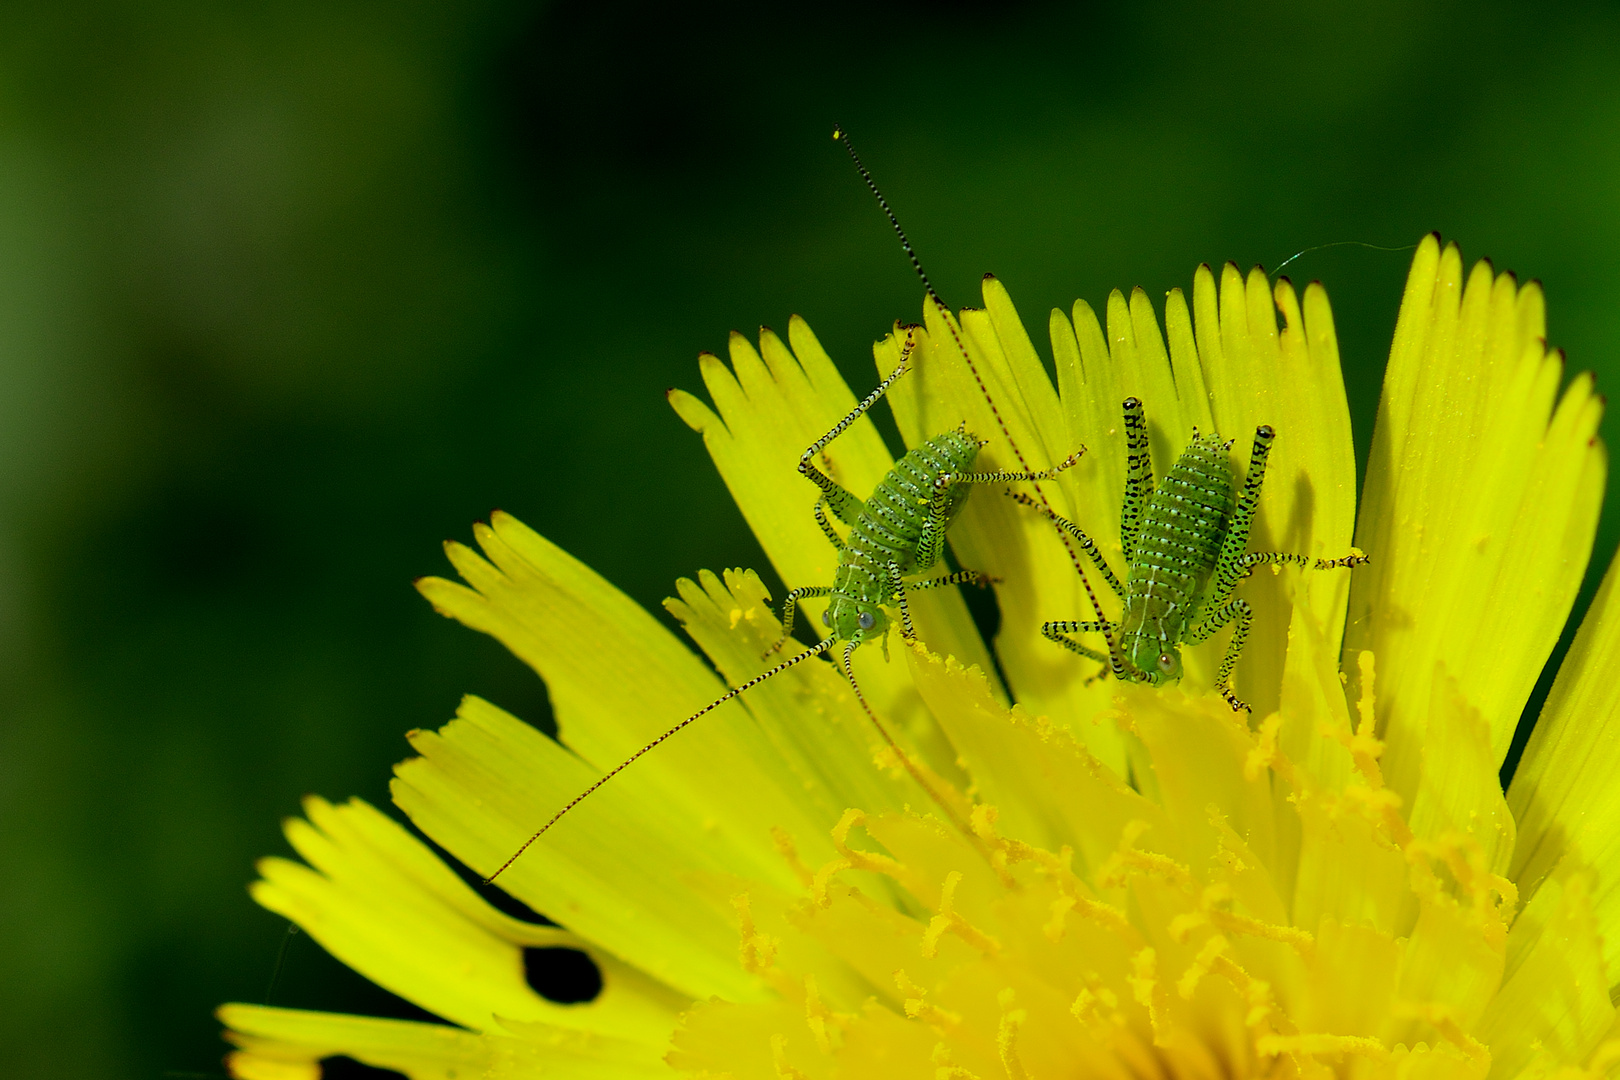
[(897, 531), (1184, 541), (891, 534), (1175, 549)]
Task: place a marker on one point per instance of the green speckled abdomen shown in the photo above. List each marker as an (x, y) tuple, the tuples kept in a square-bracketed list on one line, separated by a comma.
[(1177, 543), (890, 530)]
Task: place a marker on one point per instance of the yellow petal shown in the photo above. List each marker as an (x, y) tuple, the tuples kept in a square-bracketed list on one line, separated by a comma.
[(287, 1044), (619, 873), (523, 1051), (377, 899), (1046, 788), (1459, 794), (1555, 1009), (617, 680), (1564, 794), (1290, 379), (809, 713), (1479, 507)]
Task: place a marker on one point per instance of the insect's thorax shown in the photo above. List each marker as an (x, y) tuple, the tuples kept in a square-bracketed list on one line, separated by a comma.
[(1178, 539), (889, 528)]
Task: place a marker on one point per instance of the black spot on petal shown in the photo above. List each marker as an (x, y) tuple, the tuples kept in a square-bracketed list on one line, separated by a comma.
[(345, 1068), (566, 976)]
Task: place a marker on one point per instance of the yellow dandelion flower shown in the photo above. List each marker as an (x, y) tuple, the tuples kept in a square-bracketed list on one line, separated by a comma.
[(1138, 882)]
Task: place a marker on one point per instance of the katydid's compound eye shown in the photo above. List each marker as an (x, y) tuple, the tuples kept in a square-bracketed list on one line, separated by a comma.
[(867, 620), (1167, 663), (826, 618)]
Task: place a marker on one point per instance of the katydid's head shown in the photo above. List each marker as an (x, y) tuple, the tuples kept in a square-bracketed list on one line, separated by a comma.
[(1156, 661), (854, 620)]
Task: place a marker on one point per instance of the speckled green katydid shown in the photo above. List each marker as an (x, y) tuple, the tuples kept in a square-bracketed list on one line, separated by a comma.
[(1184, 542)]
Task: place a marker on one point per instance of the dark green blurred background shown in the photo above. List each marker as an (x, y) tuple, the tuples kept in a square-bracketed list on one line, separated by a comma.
[(289, 294)]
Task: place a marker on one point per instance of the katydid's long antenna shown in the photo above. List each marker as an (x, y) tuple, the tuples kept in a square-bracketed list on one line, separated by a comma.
[(945, 316), (905, 760), (916, 264), (814, 650)]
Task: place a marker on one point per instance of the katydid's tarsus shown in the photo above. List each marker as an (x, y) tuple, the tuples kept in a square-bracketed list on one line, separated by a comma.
[(1184, 541), (898, 531)]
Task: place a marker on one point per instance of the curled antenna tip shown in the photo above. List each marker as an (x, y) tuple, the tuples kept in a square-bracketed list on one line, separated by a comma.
[(838, 132)]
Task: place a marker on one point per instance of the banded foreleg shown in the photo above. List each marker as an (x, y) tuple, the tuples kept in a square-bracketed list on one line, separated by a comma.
[(899, 587), (1058, 631), (1008, 477), (931, 542), (790, 605), (1253, 559), (844, 504), (1240, 611), (1138, 475), (1229, 566), (826, 526)]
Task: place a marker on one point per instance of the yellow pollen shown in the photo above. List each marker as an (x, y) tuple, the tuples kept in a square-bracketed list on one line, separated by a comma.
[(941, 1020), (1256, 993), (1264, 754), (944, 1070), (1089, 1006), (1232, 846), (949, 920), (823, 878), (1443, 1018), (756, 952), (784, 1071), (817, 1016), (1007, 1038), (1320, 1043), (861, 860), (1056, 926), (1117, 869), (1301, 940), (1003, 851), (790, 853), (1212, 950), (1382, 809), (1144, 981)]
